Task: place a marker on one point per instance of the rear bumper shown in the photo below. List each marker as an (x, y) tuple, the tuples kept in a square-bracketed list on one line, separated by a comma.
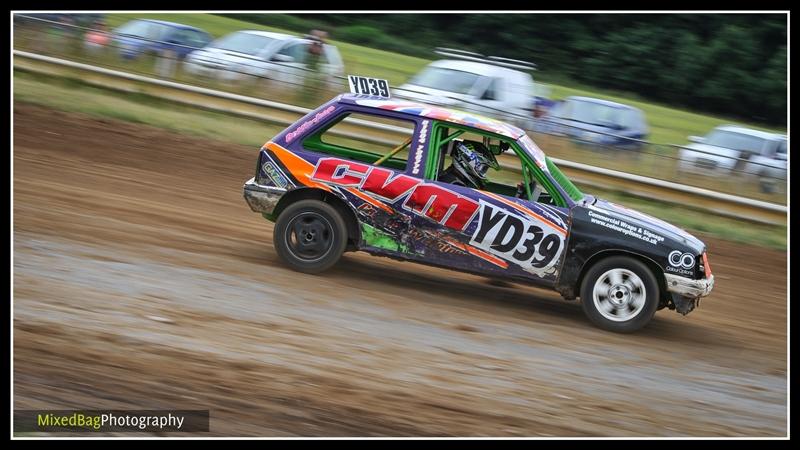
[(262, 199), (689, 288)]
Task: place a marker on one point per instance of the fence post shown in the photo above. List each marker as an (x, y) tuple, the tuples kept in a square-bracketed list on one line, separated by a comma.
[(166, 63)]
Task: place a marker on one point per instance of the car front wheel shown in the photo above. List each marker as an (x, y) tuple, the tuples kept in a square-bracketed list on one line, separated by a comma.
[(310, 236), (620, 294)]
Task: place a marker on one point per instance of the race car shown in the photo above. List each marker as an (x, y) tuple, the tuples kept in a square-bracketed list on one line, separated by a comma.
[(440, 196)]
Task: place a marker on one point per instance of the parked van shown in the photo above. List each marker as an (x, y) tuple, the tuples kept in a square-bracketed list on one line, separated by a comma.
[(492, 86)]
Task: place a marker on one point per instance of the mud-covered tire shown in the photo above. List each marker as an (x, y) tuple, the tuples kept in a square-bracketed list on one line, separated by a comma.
[(620, 294), (310, 236)]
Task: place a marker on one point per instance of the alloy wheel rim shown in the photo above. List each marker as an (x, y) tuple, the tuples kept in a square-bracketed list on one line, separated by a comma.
[(619, 295)]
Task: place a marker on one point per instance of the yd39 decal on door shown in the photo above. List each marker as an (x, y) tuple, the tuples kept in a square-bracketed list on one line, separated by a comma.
[(534, 246)]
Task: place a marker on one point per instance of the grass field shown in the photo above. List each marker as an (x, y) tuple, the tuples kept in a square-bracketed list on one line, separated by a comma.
[(668, 125), (74, 96)]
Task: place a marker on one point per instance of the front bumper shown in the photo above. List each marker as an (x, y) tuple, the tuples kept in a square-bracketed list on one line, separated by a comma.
[(689, 288), (711, 167), (262, 199)]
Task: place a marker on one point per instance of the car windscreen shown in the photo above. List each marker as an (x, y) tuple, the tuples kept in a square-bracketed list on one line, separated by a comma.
[(570, 188), (589, 113), (549, 166), (735, 141), (247, 43), (142, 29), (444, 79)]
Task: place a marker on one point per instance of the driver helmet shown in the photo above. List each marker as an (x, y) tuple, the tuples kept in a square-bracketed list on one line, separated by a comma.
[(472, 160)]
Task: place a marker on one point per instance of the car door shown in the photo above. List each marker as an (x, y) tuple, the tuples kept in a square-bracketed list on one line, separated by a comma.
[(497, 232)]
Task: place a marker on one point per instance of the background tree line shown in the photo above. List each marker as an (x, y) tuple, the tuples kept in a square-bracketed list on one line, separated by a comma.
[(733, 64)]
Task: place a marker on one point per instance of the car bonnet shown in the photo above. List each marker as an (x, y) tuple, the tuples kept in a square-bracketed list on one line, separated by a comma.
[(653, 224)]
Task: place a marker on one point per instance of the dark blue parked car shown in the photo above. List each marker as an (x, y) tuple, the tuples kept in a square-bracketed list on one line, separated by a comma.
[(598, 122), (143, 36)]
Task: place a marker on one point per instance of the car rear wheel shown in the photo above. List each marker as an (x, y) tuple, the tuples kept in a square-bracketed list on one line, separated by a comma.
[(620, 294), (310, 236)]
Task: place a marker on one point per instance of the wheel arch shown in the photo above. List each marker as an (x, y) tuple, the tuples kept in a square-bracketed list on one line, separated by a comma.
[(656, 269), (347, 212)]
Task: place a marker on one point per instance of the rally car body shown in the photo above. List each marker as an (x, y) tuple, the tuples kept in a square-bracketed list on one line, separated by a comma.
[(397, 208)]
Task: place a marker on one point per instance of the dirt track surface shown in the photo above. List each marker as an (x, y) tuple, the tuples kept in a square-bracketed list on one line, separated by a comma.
[(143, 281)]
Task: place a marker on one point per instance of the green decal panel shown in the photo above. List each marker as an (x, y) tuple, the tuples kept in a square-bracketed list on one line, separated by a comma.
[(379, 239)]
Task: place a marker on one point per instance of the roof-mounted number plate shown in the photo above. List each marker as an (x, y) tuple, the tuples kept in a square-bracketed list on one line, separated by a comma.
[(369, 86)]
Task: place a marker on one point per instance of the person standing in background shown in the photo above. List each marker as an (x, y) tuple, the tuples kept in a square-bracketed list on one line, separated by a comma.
[(313, 79), (97, 38), (316, 49)]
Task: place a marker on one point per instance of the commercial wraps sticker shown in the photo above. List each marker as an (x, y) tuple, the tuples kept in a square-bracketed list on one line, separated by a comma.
[(628, 229)]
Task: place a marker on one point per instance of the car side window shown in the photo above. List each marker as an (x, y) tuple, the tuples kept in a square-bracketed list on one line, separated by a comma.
[(628, 119), (180, 37), (192, 38), (159, 32), (337, 138), (297, 51), (504, 176), (202, 38)]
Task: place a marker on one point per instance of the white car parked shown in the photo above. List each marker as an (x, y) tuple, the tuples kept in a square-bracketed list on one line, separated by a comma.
[(730, 149), (276, 56)]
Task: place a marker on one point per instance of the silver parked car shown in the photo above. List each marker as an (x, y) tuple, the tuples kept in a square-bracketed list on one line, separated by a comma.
[(246, 54), (730, 149)]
